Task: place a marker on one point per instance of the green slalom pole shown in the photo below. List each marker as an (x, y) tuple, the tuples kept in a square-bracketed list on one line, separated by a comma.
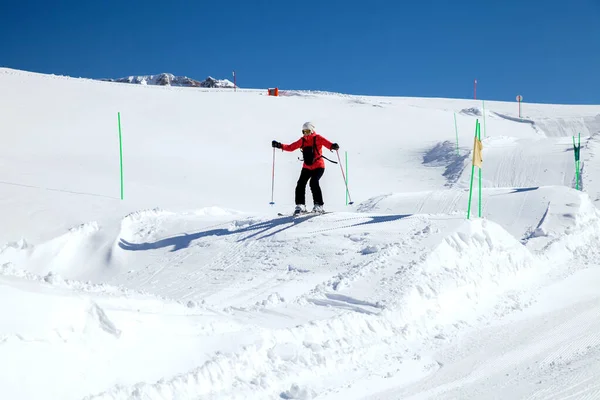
[(472, 175), (479, 137), (577, 175), (346, 177), (576, 151), (577, 161), (576, 169), (456, 129), (120, 153), (470, 191)]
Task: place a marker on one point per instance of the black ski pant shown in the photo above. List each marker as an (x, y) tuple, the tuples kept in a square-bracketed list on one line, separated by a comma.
[(314, 175)]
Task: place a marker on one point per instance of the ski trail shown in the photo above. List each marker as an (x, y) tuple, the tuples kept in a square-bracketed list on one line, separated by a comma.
[(381, 275), (208, 274), (554, 357)]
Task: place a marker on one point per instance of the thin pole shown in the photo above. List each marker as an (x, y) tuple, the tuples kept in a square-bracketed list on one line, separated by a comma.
[(456, 129), (576, 167), (479, 137), (120, 152), (577, 175), (479, 192), (472, 173), (346, 153), (470, 191), (273, 180), (344, 176), (578, 162)]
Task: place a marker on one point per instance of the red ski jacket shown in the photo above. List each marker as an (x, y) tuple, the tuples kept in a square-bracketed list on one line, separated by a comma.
[(311, 150)]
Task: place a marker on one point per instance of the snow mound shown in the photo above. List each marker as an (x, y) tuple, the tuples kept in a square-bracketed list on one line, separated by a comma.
[(143, 214), (514, 119), (296, 392), (470, 268), (567, 230), (14, 252), (561, 127), (462, 278), (49, 318), (68, 250), (144, 223), (62, 254)]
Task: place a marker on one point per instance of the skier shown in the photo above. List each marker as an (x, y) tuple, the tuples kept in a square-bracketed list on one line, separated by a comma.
[(313, 167)]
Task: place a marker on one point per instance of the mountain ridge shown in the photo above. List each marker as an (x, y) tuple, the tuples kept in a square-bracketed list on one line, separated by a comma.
[(168, 79)]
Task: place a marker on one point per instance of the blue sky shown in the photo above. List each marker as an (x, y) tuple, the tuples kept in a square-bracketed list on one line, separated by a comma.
[(547, 51)]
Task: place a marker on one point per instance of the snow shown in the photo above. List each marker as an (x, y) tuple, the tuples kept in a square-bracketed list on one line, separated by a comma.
[(166, 79), (193, 286)]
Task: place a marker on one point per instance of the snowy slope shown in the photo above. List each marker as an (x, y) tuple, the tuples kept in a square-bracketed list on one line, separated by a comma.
[(193, 287)]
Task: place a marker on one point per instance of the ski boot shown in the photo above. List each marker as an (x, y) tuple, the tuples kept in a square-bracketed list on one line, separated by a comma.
[(300, 209)]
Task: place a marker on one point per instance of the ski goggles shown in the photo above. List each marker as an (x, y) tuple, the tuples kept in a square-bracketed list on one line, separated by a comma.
[(306, 131)]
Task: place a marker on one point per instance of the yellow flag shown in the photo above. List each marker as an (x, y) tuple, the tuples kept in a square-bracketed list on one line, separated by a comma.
[(477, 153)]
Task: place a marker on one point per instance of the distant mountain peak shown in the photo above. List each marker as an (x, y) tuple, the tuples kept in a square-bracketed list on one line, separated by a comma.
[(166, 79)]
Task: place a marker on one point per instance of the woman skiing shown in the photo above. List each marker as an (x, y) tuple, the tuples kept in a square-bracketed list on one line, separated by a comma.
[(313, 167)]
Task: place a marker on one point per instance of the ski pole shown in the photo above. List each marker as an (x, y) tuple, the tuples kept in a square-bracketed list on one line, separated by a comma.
[(344, 176), (273, 180)]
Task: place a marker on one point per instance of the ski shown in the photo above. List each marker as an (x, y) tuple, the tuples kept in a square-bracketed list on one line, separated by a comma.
[(307, 213)]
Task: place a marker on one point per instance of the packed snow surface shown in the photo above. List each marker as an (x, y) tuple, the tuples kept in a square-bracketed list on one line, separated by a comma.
[(193, 287)]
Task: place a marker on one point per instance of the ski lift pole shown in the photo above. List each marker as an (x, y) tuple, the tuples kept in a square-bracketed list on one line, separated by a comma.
[(344, 177)]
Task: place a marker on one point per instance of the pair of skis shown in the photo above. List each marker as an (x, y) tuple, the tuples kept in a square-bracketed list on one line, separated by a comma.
[(302, 214)]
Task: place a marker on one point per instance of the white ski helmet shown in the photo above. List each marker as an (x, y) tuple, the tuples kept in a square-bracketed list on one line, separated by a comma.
[(309, 126)]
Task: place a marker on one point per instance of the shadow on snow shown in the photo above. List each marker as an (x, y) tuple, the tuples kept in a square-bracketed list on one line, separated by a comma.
[(184, 240), (518, 190)]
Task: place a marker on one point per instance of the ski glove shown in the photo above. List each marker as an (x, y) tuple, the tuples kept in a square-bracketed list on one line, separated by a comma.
[(335, 146), (276, 144)]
